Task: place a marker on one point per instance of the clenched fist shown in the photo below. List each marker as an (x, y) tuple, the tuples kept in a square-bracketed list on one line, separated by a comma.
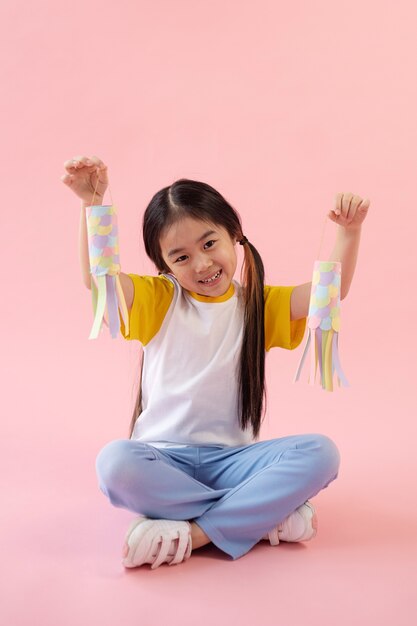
[(349, 210), (84, 175)]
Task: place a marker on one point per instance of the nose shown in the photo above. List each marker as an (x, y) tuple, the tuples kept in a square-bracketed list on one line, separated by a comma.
[(202, 263)]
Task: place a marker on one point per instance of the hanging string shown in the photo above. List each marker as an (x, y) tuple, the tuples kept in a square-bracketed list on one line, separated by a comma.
[(323, 323), (95, 190), (107, 294)]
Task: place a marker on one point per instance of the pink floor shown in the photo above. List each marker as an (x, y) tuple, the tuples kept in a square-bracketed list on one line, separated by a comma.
[(62, 542), (62, 539)]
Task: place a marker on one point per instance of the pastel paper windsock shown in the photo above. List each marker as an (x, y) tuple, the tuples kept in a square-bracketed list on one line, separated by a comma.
[(323, 325), (103, 248)]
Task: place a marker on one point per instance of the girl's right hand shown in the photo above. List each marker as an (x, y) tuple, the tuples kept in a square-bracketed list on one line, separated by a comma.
[(84, 175)]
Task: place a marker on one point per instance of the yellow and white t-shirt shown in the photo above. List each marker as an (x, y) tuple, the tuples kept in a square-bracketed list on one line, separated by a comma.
[(191, 347)]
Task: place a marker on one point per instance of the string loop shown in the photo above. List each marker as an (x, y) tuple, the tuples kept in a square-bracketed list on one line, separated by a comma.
[(95, 190)]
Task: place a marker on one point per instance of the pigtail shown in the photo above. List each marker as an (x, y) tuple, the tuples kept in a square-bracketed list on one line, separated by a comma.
[(200, 201), (252, 391)]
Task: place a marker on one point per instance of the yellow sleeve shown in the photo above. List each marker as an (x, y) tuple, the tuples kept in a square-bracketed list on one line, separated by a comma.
[(280, 331), (151, 301)]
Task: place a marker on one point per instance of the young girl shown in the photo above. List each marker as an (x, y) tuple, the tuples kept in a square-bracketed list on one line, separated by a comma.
[(193, 468)]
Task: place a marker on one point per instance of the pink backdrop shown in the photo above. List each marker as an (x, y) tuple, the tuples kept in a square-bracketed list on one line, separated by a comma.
[(279, 106)]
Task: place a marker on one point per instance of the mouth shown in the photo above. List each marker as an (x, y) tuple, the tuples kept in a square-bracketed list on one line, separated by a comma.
[(212, 279)]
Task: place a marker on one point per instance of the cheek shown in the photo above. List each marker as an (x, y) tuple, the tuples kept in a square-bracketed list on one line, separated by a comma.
[(180, 273), (233, 258)]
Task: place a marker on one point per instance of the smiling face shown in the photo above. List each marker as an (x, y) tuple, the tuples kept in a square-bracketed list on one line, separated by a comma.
[(201, 255)]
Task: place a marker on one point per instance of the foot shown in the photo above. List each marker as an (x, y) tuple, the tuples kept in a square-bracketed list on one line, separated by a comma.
[(156, 541), (301, 525), (198, 536)]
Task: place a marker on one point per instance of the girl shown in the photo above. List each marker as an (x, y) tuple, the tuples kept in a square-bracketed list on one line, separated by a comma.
[(193, 468)]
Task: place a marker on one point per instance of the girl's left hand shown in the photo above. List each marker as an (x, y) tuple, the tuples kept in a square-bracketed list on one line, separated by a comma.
[(349, 210)]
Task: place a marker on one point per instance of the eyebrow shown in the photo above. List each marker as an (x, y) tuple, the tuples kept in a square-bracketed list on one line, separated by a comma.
[(206, 234)]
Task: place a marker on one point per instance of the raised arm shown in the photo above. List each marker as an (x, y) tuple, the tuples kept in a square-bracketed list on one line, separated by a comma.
[(349, 212), (83, 176)]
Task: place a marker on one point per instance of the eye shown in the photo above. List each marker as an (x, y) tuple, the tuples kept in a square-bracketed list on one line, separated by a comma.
[(180, 258), (210, 243)]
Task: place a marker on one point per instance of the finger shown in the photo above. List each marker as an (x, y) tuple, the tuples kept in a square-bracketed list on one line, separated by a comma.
[(85, 160), (67, 179), (354, 204), (356, 201), (79, 161), (351, 208), (337, 219), (347, 204), (360, 206), (98, 162), (101, 170), (364, 206), (74, 164), (71, 165), (337, 208)]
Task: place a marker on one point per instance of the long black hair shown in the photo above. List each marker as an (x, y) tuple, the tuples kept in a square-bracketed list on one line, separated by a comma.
[(198, 200)]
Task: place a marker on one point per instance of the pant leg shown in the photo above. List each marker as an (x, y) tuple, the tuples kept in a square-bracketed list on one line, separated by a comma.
[(157, 483), (267, 481), (235, 494)]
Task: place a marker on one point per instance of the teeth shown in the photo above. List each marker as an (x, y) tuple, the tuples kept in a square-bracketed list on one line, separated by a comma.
[(209, 280)]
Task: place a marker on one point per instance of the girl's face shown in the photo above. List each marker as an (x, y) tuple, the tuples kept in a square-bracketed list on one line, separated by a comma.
[(201, 255)]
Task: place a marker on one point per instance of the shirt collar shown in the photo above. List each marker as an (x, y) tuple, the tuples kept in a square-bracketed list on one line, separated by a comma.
[(226, 296)]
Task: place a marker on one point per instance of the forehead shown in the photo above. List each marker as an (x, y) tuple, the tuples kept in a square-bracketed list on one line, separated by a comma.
[(186, 232)]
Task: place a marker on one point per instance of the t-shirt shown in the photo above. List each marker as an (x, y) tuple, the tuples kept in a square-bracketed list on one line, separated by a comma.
[(191, 346)]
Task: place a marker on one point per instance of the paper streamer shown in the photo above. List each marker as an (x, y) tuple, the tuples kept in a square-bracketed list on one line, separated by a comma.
[(103, 248), (323, 325)]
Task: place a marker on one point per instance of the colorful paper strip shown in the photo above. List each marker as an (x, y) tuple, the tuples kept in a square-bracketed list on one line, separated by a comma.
[(323, 325), (103, 248)]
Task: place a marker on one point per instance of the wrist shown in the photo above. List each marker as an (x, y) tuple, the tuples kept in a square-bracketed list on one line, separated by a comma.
[(349, 231), (98, 201)]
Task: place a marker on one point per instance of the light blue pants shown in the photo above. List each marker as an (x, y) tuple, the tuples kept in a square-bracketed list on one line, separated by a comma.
[(235, 494)]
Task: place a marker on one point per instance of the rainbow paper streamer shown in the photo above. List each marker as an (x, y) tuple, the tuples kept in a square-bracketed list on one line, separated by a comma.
[(103, 248), (323, 325)]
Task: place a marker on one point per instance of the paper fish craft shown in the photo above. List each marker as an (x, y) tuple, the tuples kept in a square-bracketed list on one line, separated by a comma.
[(103, 248), (323, 325)]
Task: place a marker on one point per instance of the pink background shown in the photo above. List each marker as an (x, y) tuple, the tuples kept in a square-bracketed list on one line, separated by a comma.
[(279, 106)]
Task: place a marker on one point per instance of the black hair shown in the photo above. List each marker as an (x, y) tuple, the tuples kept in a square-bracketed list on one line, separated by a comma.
[(198, 200)]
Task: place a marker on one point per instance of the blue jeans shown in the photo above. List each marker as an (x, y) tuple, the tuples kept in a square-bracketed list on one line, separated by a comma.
[(235, 494)]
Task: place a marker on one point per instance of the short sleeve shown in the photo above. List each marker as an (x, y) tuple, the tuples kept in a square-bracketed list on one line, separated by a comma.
[(152, 298), (280, 330)]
